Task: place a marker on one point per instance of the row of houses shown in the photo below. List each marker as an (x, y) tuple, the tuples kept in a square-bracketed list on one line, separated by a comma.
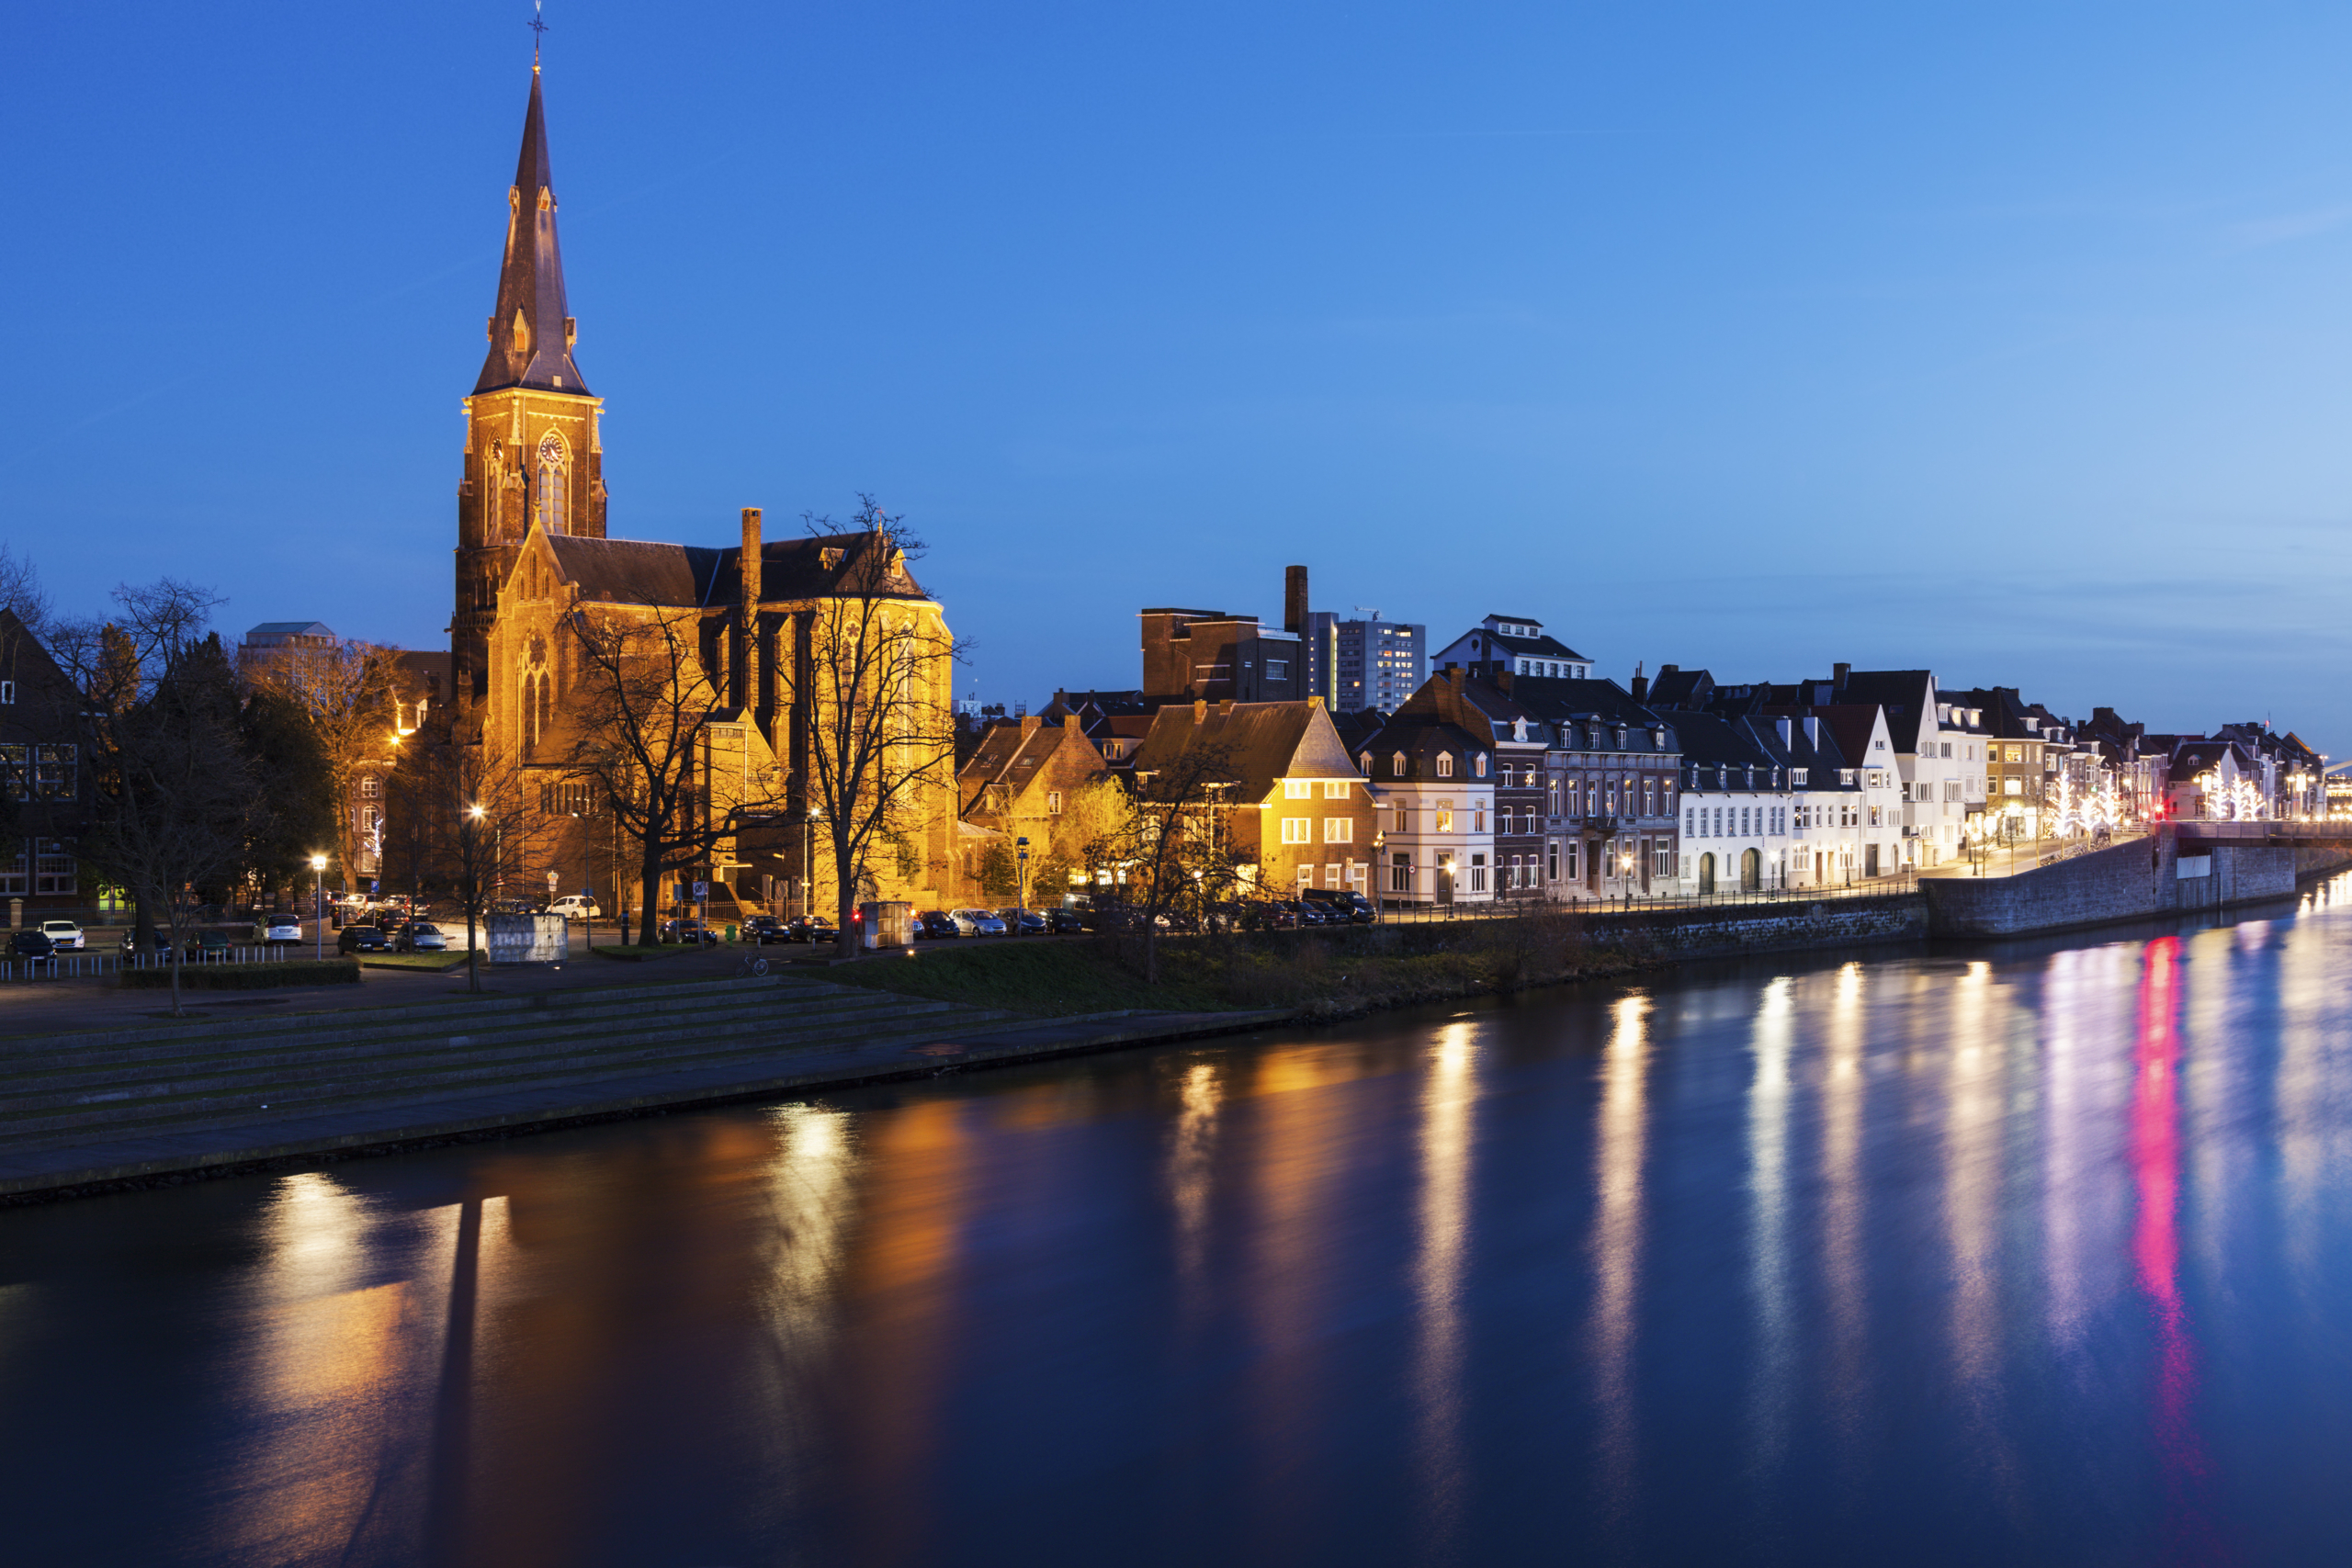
[(1512, 771)]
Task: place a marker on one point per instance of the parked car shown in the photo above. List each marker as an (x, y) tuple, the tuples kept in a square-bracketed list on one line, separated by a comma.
[(31, 943), (1065, 922), (419, 936), (811, 929), (65, 935), (208, 947), (977, 923), (1024, 923), (936, 923), (689, 933), (761, 929), (360, 939), (1341, 905), (279, 931), (576, 907)]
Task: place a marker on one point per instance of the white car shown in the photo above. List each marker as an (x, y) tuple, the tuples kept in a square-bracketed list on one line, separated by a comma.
[(576, 907), (63, 935), (275, 929), (977, 923)]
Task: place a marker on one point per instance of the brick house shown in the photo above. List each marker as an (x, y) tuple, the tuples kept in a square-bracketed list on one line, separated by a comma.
[(44, 793), (1016, 784), (1301, 813)]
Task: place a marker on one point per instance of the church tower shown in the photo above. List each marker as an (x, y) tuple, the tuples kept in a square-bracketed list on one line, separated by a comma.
[(534, 451)]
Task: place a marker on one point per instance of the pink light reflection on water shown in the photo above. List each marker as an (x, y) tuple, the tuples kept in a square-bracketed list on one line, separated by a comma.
[(2189, 1532)]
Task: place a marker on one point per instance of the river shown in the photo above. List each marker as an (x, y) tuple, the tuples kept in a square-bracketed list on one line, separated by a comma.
[(2032, 1255)]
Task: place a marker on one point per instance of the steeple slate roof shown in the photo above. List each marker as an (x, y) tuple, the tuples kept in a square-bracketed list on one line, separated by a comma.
[(530, 333)]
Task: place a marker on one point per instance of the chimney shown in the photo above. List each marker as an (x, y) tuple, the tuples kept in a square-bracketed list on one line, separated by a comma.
[(1813, 733), (1030, 724), (1641, 687), (1838, 673), (1295, 600), (1787, 731), (750, 559)]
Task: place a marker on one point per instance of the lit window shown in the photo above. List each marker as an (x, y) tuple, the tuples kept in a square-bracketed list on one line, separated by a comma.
[(1053, 803), (1445, 764), (1339, 830), (1335, 789), (1443, 818), (1298, 789), (1298, 830)]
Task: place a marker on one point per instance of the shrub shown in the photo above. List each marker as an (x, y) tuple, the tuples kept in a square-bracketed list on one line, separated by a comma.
[(247, 976)]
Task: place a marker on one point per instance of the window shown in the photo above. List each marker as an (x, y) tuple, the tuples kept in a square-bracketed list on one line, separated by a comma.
[(1554, 859), (1335, 789), (371, 788), (7, 690), (555, 510), (1400, 873), (1277, 669), (1053, 803), (2012, 787), (53, 868), (1445, 764), (1298, 789), (1477, 873), (1947, 749), (1398, 764), (1649, 797), (1479, 819), (1339, 830), (53, 773), (1404, 818), (1846, 776), (1478, 765), (1662, 861), (1298, 830), (2016, 753), (13, 882), (1689, 827), (1442, 820), (1552, 800), (1363, 764), (1306, 877), (15, 776)]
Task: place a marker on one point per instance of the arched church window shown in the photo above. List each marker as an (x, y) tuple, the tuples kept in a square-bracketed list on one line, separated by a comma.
[(555, 508)]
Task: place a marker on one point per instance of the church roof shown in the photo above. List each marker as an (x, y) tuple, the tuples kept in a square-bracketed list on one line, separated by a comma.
[(530, 333), (636, 571)]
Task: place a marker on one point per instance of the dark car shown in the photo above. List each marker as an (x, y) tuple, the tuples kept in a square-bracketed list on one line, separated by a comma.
[(1269, 914), (1023, 922), (689, 933), (31, 943), (1341, 905), (761, 929), (936, 923), (814, 930), (1065, 922), (1300, 913), (360, 939)]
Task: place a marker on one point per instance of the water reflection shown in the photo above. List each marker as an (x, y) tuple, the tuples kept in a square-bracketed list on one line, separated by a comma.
[(2034, 1256), (1447, 1097), (1616, 1244)]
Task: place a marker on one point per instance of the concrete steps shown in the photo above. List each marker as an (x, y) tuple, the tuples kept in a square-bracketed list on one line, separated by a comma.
[(64, 1090)]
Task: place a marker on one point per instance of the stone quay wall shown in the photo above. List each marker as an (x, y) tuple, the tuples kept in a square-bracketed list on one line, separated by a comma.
[(2130, 882), (1733, 929)]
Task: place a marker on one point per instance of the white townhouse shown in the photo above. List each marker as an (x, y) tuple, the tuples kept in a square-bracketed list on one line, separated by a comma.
[(1738, 804), (1434, 784)]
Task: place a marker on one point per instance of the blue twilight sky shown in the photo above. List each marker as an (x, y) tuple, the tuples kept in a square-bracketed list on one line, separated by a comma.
[(2010, 340)]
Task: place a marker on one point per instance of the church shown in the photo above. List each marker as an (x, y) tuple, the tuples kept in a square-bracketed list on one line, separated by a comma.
[(774, 650)]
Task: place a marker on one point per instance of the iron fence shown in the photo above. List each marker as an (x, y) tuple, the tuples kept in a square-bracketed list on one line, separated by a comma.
[(1888, 886)]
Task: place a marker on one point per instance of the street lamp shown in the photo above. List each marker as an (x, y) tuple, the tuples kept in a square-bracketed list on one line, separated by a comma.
[(318, 902)]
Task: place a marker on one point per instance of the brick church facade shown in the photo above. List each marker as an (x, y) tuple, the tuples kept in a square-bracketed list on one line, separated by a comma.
[(534, 563)]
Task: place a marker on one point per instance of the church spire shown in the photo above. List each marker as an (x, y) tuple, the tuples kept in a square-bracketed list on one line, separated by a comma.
[(530, 334)]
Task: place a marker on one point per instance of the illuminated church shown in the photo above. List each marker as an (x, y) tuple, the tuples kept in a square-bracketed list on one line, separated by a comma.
[(533, 557)]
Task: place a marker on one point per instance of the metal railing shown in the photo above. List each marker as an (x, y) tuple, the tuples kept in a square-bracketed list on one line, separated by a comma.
[(90, 966), (1511, 905)]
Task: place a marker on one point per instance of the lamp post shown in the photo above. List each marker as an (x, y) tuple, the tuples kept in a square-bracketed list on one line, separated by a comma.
[(587, 889), (318, 900), (1021, 870), (469, 830)]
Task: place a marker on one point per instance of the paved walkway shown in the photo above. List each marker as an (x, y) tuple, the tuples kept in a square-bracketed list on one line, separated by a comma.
[(39, 1007)]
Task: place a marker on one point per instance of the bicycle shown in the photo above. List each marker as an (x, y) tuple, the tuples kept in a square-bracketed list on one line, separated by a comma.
[(751, 968)]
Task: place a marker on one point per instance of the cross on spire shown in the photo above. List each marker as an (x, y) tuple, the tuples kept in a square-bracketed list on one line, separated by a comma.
[(539, 26)]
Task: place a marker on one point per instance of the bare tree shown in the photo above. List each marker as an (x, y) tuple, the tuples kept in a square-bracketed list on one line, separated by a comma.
[(870, 687), (640, 734), (1177, 856), (464, 812), (346, 694), (20, 590), (175, 799)]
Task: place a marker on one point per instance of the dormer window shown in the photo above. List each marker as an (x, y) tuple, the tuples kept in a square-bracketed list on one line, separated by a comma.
[(1796, 777), (1365, 762), (1478, 765), (1396, 765), (1445, 764)]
